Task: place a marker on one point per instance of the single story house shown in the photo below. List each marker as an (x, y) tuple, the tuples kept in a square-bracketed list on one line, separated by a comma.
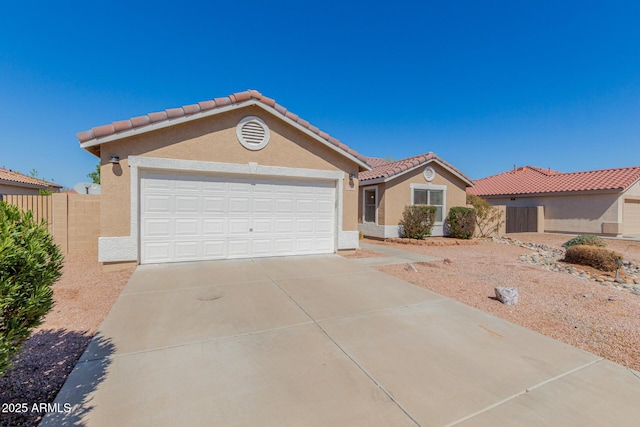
[(603, 202), (389, 186), (232, 177), (16, 183)]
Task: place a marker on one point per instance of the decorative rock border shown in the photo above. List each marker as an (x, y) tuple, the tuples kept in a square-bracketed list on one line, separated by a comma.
[(548, 258)]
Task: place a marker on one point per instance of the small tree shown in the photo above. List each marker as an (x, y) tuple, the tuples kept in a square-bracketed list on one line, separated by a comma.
[(417, 221), (95, 175), (488, 217), (30, 262), (462, 222)]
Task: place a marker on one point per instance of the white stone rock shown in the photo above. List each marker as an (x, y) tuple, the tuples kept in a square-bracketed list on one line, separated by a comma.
[(507, 296)]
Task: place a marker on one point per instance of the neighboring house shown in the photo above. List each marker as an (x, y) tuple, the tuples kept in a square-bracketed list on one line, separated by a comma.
[(599, 202), (391, 186), (16, 183), (233, 177)]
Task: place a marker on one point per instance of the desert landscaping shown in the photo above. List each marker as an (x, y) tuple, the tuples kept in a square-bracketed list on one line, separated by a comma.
[(569, 305)]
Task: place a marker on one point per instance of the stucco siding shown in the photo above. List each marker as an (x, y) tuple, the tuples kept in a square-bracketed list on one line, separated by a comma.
[(398, 192), (214, 139), (580, 213)]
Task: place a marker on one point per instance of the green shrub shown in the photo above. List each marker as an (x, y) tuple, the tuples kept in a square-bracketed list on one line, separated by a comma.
[(462, 222), (30, 263), (417, 221), (600, 258), (585, 239)]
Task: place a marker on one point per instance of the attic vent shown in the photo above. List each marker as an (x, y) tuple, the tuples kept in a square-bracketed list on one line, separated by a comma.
[(429, 173), (253, 133)]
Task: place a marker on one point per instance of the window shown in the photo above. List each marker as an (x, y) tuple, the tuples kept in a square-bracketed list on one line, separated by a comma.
[(430, 197), (370, 203)]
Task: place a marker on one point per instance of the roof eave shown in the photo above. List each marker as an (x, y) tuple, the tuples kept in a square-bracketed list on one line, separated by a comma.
[(28, 185), (392, 177), (92, 145), (552, 193)]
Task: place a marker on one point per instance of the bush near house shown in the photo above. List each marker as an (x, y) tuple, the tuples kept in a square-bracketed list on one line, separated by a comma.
[(30, 263), (462, 222), (600, 258), (417, 221), (488, 217), (585, 239)]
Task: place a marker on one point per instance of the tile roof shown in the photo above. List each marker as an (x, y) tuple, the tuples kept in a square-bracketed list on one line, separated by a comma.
[(382, 169), (534, 180), (203, 107), (18, 178)]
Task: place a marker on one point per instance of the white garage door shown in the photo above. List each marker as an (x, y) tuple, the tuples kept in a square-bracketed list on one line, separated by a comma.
[(631, 218), (188, 217)]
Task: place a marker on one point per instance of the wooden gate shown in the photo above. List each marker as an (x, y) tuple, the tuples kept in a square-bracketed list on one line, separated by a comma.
[(522, 220), (41, 206)]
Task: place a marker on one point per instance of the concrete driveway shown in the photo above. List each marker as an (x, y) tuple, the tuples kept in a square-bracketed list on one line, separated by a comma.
[(326, 341)]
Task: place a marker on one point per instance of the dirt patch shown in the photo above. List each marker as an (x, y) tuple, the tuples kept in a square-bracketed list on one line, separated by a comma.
[(361, 253), (431, 241), (582, 313), (83, 297)]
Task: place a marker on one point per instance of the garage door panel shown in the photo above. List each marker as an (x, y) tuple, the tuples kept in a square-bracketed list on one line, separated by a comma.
[(284, 226), (324, 225), (304, 225), (187, 204), (157, 251), (631, 217), (214, 187), (262, 247), (213, 249), (239, 205), (239, 248), (214, 205), (263, 206), (213, 227), (196, 216), (154, 227), (157, 203), (187, 227), (186, 250), (284, 206), (262, 226)]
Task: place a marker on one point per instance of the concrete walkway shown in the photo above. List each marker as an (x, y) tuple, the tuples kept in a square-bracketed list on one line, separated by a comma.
[(325, 341), (394, 256)]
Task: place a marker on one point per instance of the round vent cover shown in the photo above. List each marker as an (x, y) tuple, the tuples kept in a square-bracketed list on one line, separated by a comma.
[(429, 173), (253, 133)]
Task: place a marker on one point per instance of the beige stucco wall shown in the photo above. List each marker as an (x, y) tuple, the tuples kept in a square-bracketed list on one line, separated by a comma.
[(214, 139), (395, 194), (76, 222), (580, 213)]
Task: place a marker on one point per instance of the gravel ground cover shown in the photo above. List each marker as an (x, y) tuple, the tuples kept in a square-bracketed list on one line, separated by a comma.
[(83, 297), (596, 317)]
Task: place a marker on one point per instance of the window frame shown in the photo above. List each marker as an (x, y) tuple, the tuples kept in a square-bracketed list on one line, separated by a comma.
[(433, 187), (364, 204)]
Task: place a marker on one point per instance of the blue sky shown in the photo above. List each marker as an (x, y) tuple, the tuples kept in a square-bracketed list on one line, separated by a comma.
[(485, 85)]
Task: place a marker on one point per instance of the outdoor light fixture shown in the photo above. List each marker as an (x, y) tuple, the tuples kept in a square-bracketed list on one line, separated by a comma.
[(352, 176), (114, 160)]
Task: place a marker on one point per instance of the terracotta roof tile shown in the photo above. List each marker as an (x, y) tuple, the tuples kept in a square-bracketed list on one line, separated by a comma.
[(187, 110), (534, 180), (206, 105), (158, 117), (172, 113), (122, 125), (17, 177), (383, 169), (103, 130), (191, 109)]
